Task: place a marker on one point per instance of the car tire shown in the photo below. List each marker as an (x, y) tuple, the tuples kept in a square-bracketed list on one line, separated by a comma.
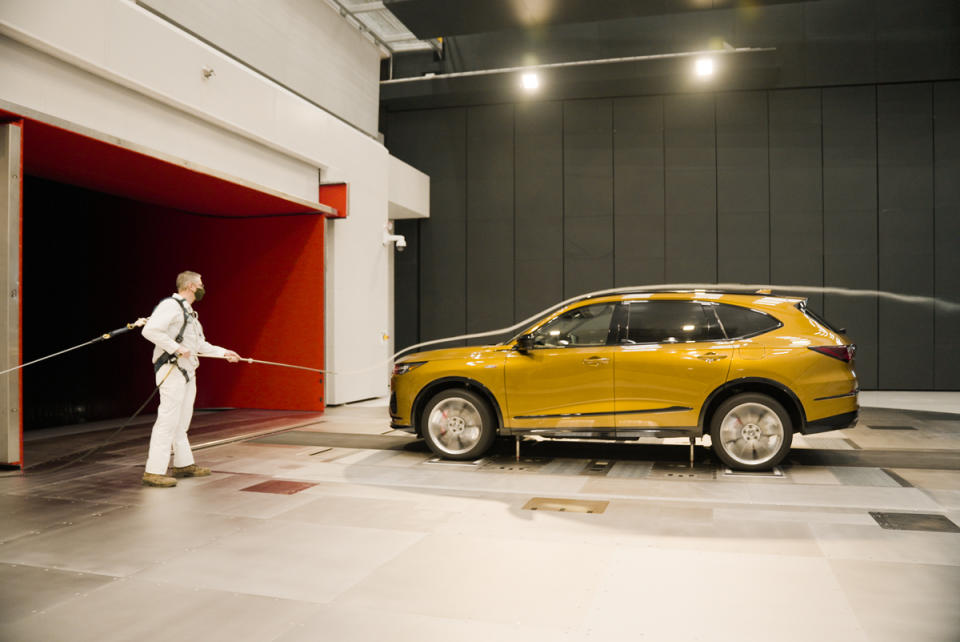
[(751, 431), (458, 424)]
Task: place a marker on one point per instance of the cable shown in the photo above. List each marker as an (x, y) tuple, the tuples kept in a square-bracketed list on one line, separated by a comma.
[(102, 337), (270, 363)]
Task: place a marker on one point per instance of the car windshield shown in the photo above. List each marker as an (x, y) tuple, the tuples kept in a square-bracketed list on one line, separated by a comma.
[(586, 325)]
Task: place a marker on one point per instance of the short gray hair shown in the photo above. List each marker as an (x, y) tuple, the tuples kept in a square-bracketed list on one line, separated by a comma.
[(186, 278)]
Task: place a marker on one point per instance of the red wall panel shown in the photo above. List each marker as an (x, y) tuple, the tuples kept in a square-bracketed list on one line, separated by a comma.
[(93, 262), (267, 279)]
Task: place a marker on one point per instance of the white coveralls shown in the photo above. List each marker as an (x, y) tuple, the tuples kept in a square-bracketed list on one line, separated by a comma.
[(176, 393)]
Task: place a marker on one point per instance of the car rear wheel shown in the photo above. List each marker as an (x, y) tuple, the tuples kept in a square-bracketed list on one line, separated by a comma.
[(458, 424), (751, 431)]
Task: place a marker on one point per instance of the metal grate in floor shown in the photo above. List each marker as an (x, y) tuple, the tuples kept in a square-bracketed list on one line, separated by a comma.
[(507, 463), (776, 471), (455, 463), (891, 427), (566, 505), (673, 470), (279, 487), (930, 523), (598, 467)]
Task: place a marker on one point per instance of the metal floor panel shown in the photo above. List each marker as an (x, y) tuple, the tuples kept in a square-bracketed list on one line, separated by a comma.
[(123, 541), (288, 560), (162, 611), (26, 590), (25, 516)]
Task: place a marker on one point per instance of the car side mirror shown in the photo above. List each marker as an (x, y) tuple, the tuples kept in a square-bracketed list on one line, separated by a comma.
[(525, 343)]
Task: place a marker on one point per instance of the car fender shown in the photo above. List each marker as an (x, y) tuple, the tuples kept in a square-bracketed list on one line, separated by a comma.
[(445, 383), (756, 384)]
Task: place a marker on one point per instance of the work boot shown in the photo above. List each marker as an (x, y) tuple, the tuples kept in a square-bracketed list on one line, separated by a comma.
[(189, 471), (160, 481)]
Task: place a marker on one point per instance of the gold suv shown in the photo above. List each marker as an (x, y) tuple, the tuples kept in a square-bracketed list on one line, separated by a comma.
[(747, 369)]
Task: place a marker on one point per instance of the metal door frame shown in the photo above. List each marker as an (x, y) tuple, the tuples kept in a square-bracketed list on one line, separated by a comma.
[(11, 191)]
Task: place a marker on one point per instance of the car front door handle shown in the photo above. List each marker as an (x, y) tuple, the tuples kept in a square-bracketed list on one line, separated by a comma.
[(710, 357), (595, 361)]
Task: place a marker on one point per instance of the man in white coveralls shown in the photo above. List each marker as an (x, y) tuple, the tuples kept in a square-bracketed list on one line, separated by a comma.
[(178, 336)]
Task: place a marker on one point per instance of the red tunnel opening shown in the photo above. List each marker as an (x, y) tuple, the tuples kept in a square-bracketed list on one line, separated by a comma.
[(105, 232)]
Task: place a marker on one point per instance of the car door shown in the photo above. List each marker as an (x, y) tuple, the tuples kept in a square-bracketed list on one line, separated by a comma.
[(566, 379), (671, 356)]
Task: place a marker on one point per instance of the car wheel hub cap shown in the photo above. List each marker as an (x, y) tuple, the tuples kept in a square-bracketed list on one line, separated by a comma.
[(752, 433), (455, 425)]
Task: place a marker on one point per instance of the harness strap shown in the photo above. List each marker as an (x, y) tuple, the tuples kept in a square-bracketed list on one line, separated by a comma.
[(167, 357)]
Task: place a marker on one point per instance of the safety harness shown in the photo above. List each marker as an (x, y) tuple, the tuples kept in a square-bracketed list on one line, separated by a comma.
[(168, 357)]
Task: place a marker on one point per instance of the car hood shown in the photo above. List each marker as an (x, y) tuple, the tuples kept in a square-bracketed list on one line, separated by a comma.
[(475, 352)]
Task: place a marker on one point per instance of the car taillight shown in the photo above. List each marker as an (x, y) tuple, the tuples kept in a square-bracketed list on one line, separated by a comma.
[(843, 353)]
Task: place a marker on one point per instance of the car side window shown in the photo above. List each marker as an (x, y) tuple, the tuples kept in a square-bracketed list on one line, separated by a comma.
[(585, 326), (743, 322), (670, 322)]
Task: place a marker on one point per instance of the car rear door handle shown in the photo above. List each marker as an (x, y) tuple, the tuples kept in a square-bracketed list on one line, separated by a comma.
[(711, 357), (595, 361)]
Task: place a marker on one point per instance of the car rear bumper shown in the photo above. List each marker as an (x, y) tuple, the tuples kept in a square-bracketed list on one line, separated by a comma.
[(835, 422)]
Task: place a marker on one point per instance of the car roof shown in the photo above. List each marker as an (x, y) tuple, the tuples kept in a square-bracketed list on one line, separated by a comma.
[(765, 299)]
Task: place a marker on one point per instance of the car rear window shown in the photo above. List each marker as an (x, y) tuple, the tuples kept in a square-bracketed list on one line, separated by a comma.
[(743, 322), (670, 322)]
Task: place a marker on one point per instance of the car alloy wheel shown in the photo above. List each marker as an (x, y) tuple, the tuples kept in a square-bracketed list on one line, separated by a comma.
[(458, 424), (751, 431)]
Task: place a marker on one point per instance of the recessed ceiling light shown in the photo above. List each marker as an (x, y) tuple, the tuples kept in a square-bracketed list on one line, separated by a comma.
[(530, 81), (704, 67)]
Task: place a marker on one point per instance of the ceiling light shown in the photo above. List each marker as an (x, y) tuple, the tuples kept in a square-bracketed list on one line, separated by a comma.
[(704, 67), (530, 81)]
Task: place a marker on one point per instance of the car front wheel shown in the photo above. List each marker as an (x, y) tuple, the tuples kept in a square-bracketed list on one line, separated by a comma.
[(458, 424), (751, 431)]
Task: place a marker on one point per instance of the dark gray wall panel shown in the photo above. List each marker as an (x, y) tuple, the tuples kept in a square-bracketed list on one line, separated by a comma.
[(489, 217), (850, 218), (434, 142), (839, 42), (690, 189), (796, 201), (947, 225), (638, 191), (407, 129), (743, 192), (916, 41), (587, 196), (538, 189), (905, 172)]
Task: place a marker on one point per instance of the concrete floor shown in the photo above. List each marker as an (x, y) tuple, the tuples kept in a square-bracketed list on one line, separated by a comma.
[(379, 542)]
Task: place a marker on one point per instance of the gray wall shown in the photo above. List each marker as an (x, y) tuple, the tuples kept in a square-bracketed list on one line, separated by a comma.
[(852, 187)]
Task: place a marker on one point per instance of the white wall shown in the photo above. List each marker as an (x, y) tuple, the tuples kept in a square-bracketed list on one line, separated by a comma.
[(303, 44), (111, 69), (409, 191)]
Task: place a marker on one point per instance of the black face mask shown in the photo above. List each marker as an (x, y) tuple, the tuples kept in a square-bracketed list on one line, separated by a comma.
[(198, 295)]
